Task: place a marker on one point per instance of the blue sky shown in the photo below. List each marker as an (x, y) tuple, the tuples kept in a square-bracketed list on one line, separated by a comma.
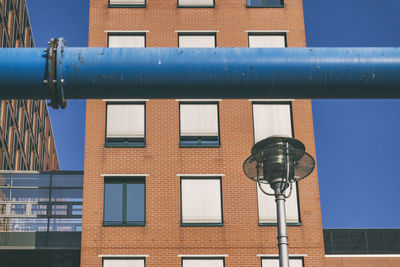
[(357, 148)]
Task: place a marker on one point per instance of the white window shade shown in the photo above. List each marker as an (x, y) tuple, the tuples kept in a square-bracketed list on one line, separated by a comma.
[(266, 41), (127, 2), (267, 206), (196, 2), (275, 262), (199, 119), (203, 263), (123, 263), (137, 41), (201, 201), (125, 120), (271, 119), (197, 41)]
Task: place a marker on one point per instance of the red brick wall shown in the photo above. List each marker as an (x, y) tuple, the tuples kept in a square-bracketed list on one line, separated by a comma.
[(163, 238)]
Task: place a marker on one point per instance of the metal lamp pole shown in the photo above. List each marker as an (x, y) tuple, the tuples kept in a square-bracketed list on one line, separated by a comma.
[(279, 161)]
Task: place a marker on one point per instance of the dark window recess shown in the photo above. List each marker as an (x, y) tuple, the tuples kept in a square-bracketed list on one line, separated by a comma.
[(15, 149), (7, 126), (264, 3), (362, 241), (124, 201), (15, 32), (22, 164), (5, 165), (4, 42), (7, 8)]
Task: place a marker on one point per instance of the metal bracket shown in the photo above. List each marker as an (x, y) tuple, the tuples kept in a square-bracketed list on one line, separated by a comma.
[(55, 79)]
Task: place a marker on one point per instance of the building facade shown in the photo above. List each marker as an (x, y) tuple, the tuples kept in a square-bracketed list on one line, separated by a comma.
[(40, 218), (26, 137), (163, 178)]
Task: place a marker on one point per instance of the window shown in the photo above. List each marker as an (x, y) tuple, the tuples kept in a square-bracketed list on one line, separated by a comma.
[(127, 3), (137, 40), (264, 3), (197, 40), (195, 3), (4, 42), (125, 124), (274, 262), (123, 262), (274, 119), (124, 201), (267, 207), (201, 201), (271, 119), (264, 40), (202, 262), (199, 125)]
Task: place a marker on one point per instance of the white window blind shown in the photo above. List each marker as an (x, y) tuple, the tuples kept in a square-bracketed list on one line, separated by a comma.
[(123, 263), (266, 41), (196, 2), (275, 262), (271, 119), (199, 119), (267, 206), (201, 201), (127, 2), (203, 263), (197, 41), (125, 120), (137, 41)]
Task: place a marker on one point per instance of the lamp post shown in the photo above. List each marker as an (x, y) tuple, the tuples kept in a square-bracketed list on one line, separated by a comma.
[(279, 161)]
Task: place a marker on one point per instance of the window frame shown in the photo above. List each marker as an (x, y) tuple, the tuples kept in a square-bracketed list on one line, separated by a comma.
[(290, 103), (127, 5), (198, 34), (221, 197), (277, 258), (202, 258), (123, 258), (139, 144), (197, 141), (124, 180), (126, 34), (266, 6), (284, 34), (195, 6)]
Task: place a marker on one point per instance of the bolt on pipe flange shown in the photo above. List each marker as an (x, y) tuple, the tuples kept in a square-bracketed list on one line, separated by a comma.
[(54, 79)]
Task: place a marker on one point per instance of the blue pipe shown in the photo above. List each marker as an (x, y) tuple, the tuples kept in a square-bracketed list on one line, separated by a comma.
[(202, 73)]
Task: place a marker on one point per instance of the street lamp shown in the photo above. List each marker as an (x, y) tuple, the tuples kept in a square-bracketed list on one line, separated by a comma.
[(279, 161)]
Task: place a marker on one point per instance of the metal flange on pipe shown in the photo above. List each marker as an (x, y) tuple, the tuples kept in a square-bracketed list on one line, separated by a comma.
[(59, 73)]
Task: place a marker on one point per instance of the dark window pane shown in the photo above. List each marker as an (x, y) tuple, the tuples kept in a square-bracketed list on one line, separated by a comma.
[(65, 225), (18, 209), (68, 180), (30, 180), (29, 194), (5, 179), (26, 225), (61, 195), (264, 3), (38, 209), (113, 203), (76, 209), (4, 194), (2, 209), (135, 203), (59, 209)]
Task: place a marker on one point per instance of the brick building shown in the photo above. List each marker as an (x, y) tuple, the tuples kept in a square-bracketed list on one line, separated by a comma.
[(163, 179), (26, 137)]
